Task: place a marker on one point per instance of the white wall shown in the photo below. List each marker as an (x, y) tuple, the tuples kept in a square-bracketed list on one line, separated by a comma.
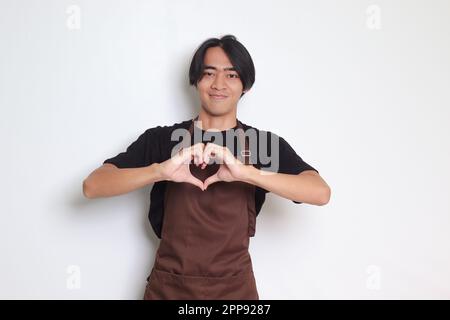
[(368, 107)]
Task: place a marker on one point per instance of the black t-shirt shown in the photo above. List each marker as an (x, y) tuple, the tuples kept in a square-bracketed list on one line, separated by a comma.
[(156, 144)]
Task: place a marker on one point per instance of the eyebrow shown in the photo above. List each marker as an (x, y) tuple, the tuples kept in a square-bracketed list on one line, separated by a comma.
[(224, 69)]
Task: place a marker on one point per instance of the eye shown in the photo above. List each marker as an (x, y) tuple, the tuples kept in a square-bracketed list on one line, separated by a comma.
[(207, 73), (233, 75)]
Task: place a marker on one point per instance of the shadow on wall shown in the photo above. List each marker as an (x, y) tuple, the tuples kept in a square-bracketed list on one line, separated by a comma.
[(180, 71), (87, 212)]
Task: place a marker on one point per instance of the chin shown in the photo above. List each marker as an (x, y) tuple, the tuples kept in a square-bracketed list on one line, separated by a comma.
[(216, 111)]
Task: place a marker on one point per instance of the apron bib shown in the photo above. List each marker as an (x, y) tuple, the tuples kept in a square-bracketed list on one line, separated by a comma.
[(203, 252)]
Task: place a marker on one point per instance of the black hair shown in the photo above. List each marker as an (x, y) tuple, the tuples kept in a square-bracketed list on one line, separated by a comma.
[(236, 52)]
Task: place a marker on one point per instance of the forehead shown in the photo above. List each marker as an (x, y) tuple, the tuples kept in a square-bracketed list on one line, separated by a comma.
[(216, 57)]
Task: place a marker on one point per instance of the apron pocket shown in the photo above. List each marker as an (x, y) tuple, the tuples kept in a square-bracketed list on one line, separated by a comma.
[(238, 287), (165, 285)]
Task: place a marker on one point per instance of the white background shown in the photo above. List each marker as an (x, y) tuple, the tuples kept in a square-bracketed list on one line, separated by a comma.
[(368, 107)]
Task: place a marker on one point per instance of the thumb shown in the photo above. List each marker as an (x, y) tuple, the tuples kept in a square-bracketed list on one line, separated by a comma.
[(196, 182), (212, 179)]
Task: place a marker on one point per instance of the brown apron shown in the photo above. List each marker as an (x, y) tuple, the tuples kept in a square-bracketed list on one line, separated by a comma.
[(203, 253)]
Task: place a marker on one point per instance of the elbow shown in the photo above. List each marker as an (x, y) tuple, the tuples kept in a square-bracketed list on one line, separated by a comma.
[(87, 189), (319, 198), (324, 196)]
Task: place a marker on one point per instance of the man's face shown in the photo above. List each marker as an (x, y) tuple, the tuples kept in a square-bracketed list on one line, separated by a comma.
[(220, 86)]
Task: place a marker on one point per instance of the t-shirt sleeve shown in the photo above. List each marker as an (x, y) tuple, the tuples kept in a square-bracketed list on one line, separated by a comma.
[(144, 151), (290, 162)]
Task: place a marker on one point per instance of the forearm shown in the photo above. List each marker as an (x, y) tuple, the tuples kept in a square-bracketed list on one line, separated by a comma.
[(109, 181), (306, 188)]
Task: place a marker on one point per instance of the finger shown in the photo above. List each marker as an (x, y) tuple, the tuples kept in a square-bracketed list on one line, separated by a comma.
[(230, 160), (198, 153), (228, 157), (205, 153), (212, 150), (182, 156), (195, 155), (196, 159), (208, 152), (186, 155), (212, 179)]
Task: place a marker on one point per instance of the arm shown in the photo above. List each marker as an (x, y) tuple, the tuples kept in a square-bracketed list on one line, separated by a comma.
[(108, 180), (307, 186)]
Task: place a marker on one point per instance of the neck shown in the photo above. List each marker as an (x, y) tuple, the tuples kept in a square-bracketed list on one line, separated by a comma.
[(217, 123)]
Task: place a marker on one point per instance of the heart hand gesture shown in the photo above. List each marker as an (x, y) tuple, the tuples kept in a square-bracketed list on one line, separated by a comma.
[(177, 168), (231, 169)]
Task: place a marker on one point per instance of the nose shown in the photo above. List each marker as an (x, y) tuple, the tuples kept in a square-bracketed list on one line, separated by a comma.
[(218, 82)]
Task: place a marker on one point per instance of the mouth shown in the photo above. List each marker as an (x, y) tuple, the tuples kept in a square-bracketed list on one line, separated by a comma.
[(218, 96)]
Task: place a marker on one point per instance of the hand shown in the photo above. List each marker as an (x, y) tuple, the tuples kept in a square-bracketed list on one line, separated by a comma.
[(177, 168), (231, 169)]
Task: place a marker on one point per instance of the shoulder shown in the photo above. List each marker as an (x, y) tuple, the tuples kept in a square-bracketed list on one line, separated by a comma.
[(265, 135), (164, 138), (165, 131)]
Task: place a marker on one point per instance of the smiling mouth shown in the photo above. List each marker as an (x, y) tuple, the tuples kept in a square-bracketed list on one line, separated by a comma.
[(218, 96)]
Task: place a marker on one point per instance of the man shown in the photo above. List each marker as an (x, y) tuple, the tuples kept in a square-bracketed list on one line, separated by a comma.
[(208, 192)]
